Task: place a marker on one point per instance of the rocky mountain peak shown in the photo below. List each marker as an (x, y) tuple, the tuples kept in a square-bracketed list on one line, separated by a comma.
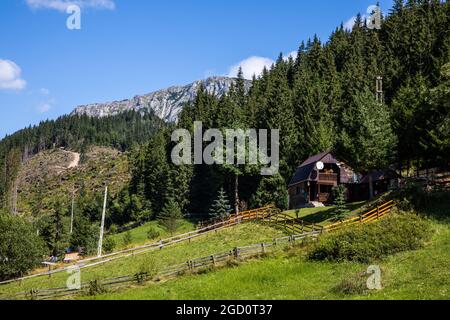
[(166, 104)]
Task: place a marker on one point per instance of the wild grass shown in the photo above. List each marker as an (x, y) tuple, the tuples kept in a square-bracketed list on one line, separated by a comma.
[(419, 274), (207, 244)]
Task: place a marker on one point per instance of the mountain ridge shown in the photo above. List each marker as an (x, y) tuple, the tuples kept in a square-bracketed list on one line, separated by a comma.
[(165, 103)]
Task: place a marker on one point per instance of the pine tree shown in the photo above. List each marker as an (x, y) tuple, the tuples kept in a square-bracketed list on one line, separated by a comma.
[(220, 208), (367, 139), (170, 216), (339, 200)]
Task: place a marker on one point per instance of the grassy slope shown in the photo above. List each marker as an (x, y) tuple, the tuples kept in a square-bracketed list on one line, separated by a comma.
[(422, 274), (139, 234), (221, 241)]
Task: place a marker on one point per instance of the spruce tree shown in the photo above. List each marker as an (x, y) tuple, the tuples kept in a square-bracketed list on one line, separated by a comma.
[(220, 208), (367, 140), (170, 216)]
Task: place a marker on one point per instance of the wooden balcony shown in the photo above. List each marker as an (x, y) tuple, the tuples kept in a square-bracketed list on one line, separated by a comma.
[(328, 177)]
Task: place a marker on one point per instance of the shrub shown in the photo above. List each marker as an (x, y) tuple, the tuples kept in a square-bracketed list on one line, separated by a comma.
[(109, 245), (113, 229), (355, 284), (20, 248), (127, 238), (149, 267), (271, 191), (152, 233), (95, 288), (393, 234)]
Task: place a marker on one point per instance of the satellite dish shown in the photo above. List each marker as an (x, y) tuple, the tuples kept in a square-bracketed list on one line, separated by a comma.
[(320, 165)]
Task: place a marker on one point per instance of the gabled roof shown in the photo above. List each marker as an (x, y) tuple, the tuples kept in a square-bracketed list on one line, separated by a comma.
[(303, 172), (315, 159)]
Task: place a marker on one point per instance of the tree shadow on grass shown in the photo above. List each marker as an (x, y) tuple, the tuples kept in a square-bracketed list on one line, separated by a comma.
[(330, 213)]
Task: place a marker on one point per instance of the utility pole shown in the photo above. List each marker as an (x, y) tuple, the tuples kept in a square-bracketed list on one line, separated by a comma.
[(71, 215), (379, 90), (100, 240)]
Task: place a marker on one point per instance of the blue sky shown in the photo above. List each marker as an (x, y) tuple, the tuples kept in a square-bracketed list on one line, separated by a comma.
[(130, 47)]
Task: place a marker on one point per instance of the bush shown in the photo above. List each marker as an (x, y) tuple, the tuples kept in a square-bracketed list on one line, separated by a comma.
[(109, 245), (152, 233), (149, 267), (355, 284), (127, 238), (393, 234), (20, 248), (271, 191)]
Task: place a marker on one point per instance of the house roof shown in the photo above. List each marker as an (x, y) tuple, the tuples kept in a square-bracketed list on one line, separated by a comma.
[(303, 172), (315, 159)]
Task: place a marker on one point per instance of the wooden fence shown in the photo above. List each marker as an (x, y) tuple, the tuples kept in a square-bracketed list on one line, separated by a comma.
[(245, 216), (214, 260), (375, 214), (300, 229), (212, 226)]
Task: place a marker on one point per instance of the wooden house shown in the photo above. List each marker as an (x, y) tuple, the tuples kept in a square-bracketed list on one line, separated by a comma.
[(314, 180)]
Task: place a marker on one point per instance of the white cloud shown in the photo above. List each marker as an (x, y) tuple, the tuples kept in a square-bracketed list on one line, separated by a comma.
[(44, 107), (251, 66), (292, 54), (61, 5), (44, 91), (10, 76), (350, 23), (255, 65)]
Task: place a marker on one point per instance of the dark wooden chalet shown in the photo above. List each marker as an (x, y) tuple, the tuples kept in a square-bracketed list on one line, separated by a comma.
[(315, 178)]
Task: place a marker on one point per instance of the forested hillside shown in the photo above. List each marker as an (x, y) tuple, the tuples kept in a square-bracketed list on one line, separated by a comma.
[(76, 133), (325, 99)]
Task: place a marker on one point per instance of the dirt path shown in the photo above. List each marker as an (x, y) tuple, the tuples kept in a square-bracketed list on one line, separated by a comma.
[(75, 161)]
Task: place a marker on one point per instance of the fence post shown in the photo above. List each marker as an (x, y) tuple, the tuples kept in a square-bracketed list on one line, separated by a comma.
[(213, 260), (236, 253), (263, 246), (378, 212)]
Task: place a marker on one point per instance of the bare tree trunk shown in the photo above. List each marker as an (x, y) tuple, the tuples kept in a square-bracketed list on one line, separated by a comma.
[(236, 193)]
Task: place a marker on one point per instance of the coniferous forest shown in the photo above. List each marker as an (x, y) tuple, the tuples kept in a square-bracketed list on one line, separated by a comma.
[(323, 99)]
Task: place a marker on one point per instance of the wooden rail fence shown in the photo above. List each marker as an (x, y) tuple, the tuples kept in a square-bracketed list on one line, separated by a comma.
[(213, 260), (269, 215), (205, 229), (375, 214)]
